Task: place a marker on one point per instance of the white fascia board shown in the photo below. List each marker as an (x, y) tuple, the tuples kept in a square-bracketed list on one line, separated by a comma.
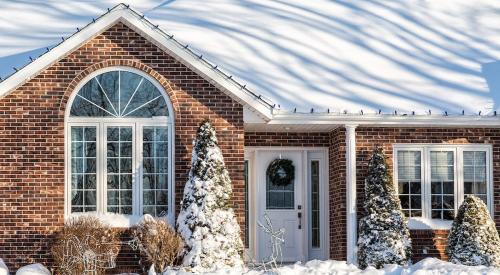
[(386, 120), (135, 22), (249, 116)]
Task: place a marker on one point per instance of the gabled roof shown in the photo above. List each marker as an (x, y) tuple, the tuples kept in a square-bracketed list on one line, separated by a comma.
[(136, 21)]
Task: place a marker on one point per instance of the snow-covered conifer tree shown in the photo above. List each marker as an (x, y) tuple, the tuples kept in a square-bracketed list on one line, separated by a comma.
[(206, 221), (384, 237), (473, 238)]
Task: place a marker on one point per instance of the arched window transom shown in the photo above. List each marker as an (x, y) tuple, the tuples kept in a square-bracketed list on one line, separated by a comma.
[(119, 94), (119, 144)]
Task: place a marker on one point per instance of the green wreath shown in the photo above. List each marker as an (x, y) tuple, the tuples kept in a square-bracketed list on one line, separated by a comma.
[(281, 172)]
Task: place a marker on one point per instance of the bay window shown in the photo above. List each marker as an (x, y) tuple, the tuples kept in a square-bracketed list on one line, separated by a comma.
[(119, 148), (433, 180)]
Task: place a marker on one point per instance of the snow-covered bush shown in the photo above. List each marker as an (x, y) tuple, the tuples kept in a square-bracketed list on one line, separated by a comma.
[(384, 237), (33, 269), (206, 221), (158, 241), (4, 270), (473, 239), (84, 237)]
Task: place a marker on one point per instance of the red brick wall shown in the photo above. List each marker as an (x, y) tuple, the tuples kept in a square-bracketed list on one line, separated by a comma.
[(338, 223), (32, 136), (287, 139), (429, 243), (432, 242)]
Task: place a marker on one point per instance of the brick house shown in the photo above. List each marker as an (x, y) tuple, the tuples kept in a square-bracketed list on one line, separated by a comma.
[(102, 124)]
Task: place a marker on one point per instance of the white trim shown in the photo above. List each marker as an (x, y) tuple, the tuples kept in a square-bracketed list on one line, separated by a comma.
[(351, 193), (384, 120), (251, 149), (133, 20), (101, 123), (249, 253), (321, 252), (426, 222), (112, 69)]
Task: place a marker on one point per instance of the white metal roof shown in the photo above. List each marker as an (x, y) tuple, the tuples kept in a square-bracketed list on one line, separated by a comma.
[(339, 56)]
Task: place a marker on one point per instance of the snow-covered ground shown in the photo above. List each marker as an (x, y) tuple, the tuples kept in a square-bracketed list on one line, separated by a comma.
[(428, 266)]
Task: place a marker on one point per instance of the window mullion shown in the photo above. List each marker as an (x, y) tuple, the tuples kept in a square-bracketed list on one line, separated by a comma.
[(489, 181), (171, 178), (102, 186), (460, 179), (427, 175), (137, 185)]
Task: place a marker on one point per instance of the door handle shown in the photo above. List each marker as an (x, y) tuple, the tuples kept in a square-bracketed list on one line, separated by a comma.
[(299, 215)]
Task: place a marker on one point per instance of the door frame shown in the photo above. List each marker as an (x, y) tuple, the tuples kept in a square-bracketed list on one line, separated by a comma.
[(252, 155)]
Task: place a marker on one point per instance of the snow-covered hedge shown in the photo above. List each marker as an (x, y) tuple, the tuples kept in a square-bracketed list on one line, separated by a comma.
[(206, 221), (473, 238), (384, 237)]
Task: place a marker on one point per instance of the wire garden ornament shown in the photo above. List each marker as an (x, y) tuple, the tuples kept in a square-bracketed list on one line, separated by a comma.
[(276, 241), (78, 252)]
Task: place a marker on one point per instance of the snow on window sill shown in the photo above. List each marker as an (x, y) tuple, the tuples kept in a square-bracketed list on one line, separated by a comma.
[(429, 224), (111, 219)]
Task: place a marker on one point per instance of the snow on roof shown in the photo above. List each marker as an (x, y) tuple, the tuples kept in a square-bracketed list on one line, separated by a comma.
[(403, 56)]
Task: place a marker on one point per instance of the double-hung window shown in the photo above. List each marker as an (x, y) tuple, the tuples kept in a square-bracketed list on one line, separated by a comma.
[(119, 148), (433, 180)]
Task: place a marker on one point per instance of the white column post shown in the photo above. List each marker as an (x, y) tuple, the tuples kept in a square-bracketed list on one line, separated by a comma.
[(352, 225)]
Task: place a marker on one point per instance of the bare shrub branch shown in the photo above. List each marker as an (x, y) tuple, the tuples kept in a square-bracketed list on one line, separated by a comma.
[(158, 241), (85, 246)]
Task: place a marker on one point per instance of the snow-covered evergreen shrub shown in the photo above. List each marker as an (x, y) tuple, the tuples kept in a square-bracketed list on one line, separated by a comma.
[(473, 239), (384, 237), (206, 221), (158, 241)]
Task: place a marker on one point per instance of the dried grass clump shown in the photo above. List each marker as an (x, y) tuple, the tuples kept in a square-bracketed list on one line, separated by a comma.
[(158, 241), (85, 244)]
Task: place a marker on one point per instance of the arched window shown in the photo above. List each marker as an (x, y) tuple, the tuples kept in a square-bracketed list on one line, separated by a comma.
[(119, 148)]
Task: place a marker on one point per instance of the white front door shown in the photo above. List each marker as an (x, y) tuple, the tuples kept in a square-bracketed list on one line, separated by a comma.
[(284, 206)]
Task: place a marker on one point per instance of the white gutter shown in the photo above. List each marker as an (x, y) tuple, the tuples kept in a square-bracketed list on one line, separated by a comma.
[(386, 120)]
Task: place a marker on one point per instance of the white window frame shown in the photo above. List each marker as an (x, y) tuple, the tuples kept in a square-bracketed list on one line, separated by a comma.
[(422, 176), (101, 124), (426, 222)]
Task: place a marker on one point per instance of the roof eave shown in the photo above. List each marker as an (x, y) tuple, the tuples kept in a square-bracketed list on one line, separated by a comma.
[(387, 120)]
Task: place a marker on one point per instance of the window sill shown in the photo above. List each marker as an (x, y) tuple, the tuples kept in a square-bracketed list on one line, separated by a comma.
[(428, 224), (111, 219)]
